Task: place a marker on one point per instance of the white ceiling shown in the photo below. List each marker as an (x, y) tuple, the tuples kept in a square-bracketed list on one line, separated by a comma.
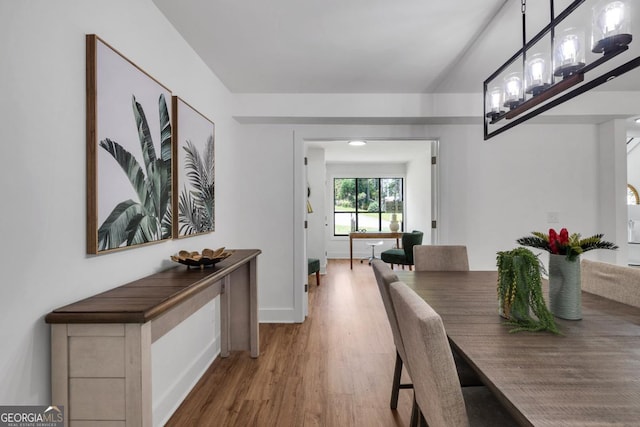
[(362, 46), (332, 46), (375, 151), (365, 46)]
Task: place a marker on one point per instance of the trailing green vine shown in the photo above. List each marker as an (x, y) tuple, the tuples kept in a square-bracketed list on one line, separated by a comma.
[(520, 291)]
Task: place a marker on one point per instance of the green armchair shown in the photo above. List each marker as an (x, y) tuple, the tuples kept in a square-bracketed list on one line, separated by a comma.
[(313, 267), (403, 256)]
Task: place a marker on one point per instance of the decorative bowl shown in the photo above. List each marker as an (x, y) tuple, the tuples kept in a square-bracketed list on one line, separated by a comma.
[(196, 259)]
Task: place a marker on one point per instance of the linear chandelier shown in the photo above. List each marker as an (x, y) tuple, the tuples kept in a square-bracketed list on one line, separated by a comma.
[(550, 68)]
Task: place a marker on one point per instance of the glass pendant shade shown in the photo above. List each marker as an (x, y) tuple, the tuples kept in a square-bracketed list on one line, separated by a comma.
[(494, 100), (513, 90), (537, 73), (565, 59), (611, 26), (568, 55)]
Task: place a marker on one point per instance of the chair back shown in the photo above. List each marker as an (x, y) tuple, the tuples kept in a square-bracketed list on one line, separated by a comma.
[(409, 240), (433, 372), (616, 282), (384, 278), (440, 258)]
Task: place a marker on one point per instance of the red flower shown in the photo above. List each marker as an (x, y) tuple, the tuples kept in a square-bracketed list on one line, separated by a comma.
[(564, 237), (553, 239)]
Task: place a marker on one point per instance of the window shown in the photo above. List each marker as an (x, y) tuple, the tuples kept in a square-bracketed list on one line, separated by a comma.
[(366, 204)]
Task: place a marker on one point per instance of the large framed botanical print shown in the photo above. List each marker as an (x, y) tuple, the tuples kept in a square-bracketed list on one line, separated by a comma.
[(129, 153), (194, 177)]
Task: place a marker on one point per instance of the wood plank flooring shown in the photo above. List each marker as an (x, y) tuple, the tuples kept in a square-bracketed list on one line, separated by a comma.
[(335, 369)]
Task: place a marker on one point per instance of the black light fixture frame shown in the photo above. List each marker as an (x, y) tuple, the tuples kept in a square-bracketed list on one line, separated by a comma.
[(555, 88)]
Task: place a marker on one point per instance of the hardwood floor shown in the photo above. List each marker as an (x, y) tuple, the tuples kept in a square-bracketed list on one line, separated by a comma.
[(335, 369)]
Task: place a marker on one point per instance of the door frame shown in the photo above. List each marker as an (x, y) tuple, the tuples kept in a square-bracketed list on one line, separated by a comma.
[(300, 276)]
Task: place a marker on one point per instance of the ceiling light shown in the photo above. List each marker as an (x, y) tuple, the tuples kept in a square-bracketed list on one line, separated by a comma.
[(554, 61), (357, 143), (638, 120)]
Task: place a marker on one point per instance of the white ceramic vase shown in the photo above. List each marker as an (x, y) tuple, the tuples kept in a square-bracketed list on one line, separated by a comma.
[(394, 225)]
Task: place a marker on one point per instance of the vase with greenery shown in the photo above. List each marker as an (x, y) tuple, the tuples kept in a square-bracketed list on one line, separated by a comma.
[(565, 293), (520, 291)]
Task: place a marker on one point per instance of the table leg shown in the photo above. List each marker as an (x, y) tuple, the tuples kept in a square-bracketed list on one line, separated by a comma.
[(253, 307), (351, 251), (239, 308), (225, 317)]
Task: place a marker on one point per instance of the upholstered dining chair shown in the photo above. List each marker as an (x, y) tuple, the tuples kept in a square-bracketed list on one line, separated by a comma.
[(439, 399), (440, 258), (403, 256), (447, 258), (384, 278), (615, 282)]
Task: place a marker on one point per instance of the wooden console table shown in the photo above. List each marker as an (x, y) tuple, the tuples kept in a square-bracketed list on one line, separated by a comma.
[(101, 346), (371, 235)]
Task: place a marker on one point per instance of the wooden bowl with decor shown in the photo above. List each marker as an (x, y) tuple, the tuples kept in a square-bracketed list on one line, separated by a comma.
[(197, 259)]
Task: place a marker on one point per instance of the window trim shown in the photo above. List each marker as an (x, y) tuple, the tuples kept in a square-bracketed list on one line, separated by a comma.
[(379, 201)]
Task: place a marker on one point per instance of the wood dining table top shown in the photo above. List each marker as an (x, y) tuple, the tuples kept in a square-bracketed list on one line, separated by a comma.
[(589, 375)]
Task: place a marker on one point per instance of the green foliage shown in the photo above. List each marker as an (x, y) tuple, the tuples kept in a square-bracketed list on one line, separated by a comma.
[(346, 189), (594, 242), (148, 218), (520, 291), (196, 206), (363, 202), (368, 192), (373, 207)]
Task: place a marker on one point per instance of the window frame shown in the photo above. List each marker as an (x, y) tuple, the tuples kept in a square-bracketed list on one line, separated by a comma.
[(356, 210)]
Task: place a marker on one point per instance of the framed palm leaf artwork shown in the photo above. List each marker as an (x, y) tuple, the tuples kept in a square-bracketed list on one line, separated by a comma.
[(194, 178), (129, 149)]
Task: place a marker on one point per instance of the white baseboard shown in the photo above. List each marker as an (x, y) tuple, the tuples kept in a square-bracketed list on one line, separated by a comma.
[(277, 315), (164, 406)]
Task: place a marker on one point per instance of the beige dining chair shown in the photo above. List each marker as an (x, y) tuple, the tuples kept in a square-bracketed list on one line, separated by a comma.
[(440, 258), (447, 258), (439, 399), (384, 277), (615, 282)]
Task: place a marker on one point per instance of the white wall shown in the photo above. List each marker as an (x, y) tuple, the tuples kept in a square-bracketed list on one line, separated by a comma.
[(612, 186), (495, 192), (633, 170), (43, 260), (418, 194), (316, 231), (633, 178), (263, 208)]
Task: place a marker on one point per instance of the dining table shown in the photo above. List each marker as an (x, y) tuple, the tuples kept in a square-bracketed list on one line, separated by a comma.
[(588, 375)]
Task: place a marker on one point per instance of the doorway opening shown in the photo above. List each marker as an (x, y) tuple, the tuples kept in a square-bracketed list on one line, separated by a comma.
[(408, 159)]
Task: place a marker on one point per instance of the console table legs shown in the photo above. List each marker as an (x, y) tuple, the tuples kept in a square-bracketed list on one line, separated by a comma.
[(239, 311)]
